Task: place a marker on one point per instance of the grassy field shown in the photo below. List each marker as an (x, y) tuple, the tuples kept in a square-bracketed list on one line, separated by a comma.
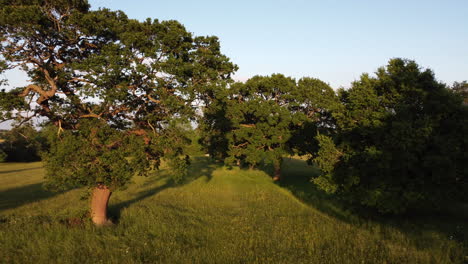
[(219, 215)]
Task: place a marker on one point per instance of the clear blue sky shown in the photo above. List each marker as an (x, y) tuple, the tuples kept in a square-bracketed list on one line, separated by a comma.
[(332, 40)]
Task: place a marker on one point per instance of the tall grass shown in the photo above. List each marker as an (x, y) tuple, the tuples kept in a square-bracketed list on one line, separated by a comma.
[(219, 215)]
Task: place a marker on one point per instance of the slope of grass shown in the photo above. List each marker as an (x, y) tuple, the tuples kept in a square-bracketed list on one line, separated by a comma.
[(218, 215)]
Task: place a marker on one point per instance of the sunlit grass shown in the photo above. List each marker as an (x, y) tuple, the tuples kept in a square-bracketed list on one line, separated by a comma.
[(218, 215)]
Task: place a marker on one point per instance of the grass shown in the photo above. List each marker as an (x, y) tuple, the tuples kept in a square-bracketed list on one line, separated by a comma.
[(218, 215)]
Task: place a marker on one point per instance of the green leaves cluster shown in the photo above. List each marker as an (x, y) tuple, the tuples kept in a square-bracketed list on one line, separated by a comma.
[(260, 119), (401, 139), (95, 153), (265, 118)]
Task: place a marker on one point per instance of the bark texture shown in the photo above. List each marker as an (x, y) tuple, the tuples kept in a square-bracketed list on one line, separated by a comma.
[(99, 202)]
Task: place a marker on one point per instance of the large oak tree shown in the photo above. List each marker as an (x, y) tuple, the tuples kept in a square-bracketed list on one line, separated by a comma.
[(266, 118), (114, 89)]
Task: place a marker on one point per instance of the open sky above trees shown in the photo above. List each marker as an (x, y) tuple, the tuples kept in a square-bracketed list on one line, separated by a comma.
[(335, 41)]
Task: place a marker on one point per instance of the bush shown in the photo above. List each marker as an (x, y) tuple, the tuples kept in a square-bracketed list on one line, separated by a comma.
[(400, 142)]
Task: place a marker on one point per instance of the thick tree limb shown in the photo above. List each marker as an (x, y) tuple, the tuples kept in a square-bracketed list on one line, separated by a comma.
[(143, 133), (152, 99), (35, 88)]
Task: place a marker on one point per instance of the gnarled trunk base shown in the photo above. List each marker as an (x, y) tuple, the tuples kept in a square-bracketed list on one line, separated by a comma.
[(99, 201)]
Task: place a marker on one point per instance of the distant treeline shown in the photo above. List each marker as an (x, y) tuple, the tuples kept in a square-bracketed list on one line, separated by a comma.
[(22, 144)]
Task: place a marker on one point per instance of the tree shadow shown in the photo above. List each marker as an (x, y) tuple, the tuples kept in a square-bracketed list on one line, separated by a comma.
[(14, 171), (297, 175), (200, 167), (19, 196)]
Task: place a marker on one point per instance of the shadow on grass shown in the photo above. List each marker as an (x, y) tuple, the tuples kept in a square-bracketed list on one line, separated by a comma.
[(200, 167), (20, 170), (296, 176), (19, 196)]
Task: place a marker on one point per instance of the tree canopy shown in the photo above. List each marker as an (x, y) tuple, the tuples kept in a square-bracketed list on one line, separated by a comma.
[(400, 141), (266, 118), (108, 83)]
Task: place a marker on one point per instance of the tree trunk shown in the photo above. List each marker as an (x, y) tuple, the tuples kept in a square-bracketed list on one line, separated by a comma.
[(99, 201), (277, 170)]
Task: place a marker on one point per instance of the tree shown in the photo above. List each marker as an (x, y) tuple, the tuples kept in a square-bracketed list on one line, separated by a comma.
[(115, 89), (317, 101), (214, 125), (261, 121), (400, 142), (266, 118)]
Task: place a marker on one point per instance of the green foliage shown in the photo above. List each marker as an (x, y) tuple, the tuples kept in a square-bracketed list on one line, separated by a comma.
[(266, 118), (3, 155), (260, 120), (133, 80), (326, 159), (402, 136), (213, 126), (174, 146), (95, 154), (22, 144), (316, 101), (9, 102), (461, 88)]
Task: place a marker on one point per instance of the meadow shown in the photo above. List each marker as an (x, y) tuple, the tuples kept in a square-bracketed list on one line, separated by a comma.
[(217, 215)]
